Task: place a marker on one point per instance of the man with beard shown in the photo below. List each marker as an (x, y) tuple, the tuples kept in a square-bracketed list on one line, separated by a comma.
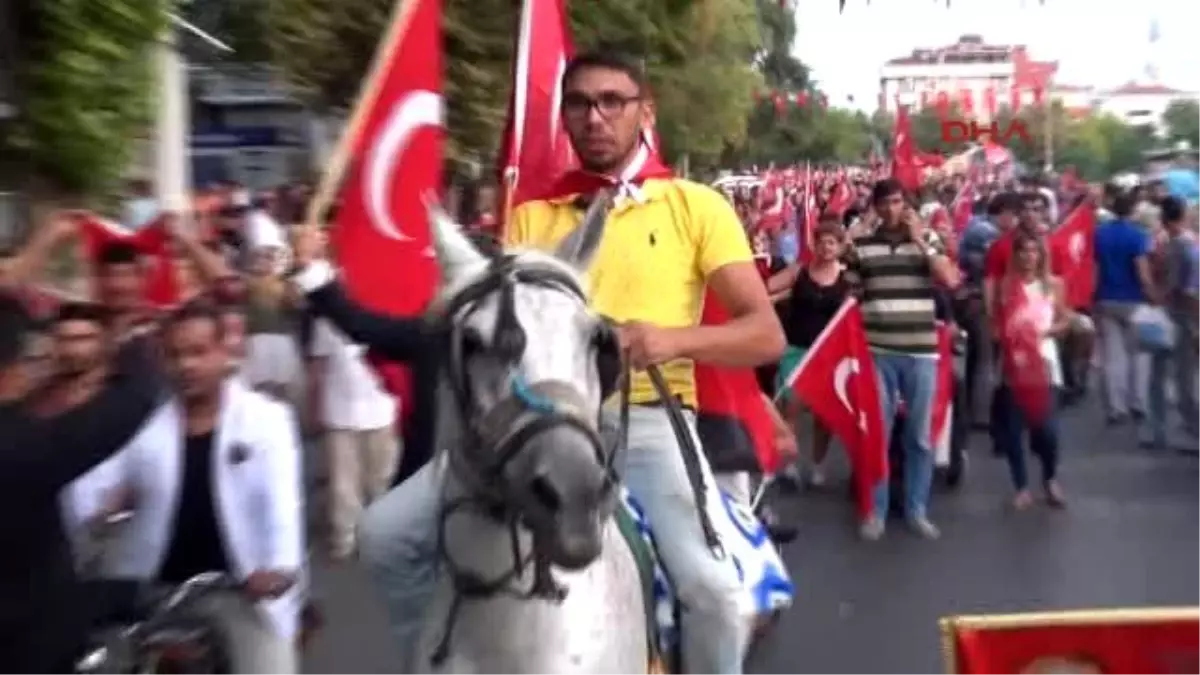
[(43, 620)]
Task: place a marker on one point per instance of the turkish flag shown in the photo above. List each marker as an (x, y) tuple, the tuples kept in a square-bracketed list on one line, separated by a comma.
[(1024, 370), (731, 404), (152, 242), (840, 199), (536, 149), (1073, 255), (904, 162), (836, 380), (381, 232), (1155, 641), (943, 396)]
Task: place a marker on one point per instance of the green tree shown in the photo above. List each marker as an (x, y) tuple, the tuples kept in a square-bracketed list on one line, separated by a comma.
[(696, 54), (87, 78), (927, 129), (1182, 120)]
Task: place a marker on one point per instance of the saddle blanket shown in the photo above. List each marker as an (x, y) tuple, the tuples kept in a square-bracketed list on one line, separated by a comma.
[(765, 582)]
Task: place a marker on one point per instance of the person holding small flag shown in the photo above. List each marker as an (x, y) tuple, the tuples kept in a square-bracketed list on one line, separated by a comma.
[(1032, 315), (813, 293)]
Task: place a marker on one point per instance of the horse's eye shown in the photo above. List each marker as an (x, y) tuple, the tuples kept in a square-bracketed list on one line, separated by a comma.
[(472, 343)]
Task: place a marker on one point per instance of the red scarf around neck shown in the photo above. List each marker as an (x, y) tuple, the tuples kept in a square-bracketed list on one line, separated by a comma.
[(646, 165)]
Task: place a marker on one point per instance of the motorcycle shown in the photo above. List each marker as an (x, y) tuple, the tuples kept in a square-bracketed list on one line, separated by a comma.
[(148, 628)]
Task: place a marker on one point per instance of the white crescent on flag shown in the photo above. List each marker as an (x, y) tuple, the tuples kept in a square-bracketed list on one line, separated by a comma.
[(416, 110)]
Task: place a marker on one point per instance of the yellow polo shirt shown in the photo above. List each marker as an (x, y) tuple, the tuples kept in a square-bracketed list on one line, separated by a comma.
[(653, 262)]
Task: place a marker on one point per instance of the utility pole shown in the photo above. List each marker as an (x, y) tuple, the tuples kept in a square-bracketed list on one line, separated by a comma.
[(172, 165), (171, 130)]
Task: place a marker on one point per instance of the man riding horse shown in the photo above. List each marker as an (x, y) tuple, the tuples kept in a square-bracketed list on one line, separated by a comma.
[(661, 243)]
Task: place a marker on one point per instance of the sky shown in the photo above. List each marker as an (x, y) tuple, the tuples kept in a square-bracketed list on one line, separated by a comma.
[(1101, 43)]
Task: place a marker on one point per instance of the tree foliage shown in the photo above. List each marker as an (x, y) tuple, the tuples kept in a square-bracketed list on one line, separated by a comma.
[(1182, 119), (86, 75), (697, 54)]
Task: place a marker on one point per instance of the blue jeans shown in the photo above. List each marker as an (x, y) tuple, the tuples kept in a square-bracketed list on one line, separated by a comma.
[(398, 537), (912, 379), (1179, 365), (1009, 435)]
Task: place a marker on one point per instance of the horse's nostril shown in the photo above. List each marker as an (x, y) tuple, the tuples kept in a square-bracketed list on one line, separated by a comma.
[(545, 494)]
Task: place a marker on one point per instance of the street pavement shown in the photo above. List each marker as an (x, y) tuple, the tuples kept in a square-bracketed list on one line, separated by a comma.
[(1129, 537)]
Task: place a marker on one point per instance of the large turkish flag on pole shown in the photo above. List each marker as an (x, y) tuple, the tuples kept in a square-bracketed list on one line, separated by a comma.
[(381, 231)]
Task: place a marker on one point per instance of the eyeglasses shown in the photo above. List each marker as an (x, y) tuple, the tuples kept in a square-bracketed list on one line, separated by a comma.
[(609, 104)]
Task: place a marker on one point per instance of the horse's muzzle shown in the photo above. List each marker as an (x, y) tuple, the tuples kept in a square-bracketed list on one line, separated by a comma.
[(566, 494)]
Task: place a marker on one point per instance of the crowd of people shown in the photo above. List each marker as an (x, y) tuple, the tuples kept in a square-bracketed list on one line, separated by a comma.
[(966, 263), (189, 413)]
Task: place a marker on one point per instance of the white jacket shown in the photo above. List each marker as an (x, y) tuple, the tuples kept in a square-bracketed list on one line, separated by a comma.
[(256, 489)]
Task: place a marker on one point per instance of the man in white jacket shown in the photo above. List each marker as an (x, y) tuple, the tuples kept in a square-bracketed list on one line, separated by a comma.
[(213, 481)]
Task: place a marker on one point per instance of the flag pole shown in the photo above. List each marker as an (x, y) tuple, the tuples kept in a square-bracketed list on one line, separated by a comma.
[(336, 166), (510, 194)]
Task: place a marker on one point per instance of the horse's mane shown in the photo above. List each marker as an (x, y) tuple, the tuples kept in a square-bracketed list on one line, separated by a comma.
[(524, 257)]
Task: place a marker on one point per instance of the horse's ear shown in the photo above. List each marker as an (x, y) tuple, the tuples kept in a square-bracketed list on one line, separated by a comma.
[(580, 246), (455, 252)]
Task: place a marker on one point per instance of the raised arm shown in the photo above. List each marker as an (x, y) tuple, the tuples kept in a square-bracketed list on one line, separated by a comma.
[(56, 450), (406, 339)]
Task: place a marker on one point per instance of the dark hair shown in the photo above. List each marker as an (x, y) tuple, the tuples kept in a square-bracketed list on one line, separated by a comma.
[(1035, 197), (829, 226), (199, 309), (82, 311), (1173, 210), (1123, 204), (608, 59), (117, 253), (15, 325), (885, 188), (1005, 202)]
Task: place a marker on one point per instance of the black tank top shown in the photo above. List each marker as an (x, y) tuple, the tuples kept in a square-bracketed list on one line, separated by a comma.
[(811, 307)]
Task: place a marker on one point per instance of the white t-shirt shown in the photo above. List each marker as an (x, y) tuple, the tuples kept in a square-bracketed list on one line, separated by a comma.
[(353, 397)]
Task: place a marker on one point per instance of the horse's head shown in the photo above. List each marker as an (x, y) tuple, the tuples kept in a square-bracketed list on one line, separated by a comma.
[(528, 366)]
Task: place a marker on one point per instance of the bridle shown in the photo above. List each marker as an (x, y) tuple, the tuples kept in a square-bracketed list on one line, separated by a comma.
[(493, 437)]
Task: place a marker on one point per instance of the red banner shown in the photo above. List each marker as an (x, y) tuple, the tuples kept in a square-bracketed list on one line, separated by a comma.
[(1152, 641)]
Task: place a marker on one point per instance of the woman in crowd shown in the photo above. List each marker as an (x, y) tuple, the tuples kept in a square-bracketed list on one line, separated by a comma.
[(1031, 299), (813, 292)]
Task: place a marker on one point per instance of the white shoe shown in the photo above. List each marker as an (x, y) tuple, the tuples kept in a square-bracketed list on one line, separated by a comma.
[(924, 527), (872, 528)]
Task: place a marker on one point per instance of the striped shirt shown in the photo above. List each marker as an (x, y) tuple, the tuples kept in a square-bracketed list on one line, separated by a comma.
[(897, 290)]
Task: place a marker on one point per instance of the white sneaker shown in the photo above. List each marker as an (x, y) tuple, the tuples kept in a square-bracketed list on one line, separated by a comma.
[(923, 527), (872, 528)]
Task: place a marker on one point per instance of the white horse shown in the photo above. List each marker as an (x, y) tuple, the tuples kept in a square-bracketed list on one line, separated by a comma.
[(534, 576)]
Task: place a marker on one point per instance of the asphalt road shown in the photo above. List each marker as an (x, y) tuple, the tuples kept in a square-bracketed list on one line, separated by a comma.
[(1129, 537)]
